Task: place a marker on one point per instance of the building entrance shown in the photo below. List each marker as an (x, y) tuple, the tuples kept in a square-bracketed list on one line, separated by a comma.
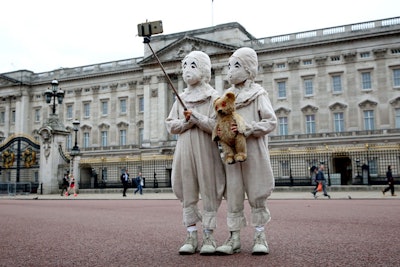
[(342, 165)]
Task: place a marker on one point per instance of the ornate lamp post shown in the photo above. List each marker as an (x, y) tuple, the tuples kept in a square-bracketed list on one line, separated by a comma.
[(76, 124), (75, 149), (54, 93), (52, 134)]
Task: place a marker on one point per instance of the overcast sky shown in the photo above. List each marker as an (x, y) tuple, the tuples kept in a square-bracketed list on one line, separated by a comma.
[(43, 35)]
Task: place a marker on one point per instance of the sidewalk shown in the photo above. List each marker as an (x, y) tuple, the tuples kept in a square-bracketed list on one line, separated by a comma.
[(336, 192)]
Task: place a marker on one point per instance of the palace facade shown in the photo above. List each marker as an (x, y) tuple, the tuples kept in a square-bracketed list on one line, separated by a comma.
[(335, 91)]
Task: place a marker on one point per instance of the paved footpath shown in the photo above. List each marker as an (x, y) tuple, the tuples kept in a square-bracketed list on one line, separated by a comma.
[(139, 231), (336, 192)]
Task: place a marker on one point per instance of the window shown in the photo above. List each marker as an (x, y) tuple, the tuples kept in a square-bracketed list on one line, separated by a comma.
[(141, 104), (36, 177), (281, 89), (366, 80), (396, 78), (308, 87), (337, 83), (122, 137), (104, 108), (364, 55), (373, 166), (310, 124), (281, 65), (13, 116), (37, 115), (122, 106), (69, 112), (86, 110), (338, 122), (307, 62), (285, 169), (2, 117), (395, 51), (369, 120), (335, 58), (397, 118), (283, 125), (86, 139), (104, 138)]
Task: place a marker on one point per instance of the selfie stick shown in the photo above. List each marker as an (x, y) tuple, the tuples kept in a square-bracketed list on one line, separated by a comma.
[(147, 41)]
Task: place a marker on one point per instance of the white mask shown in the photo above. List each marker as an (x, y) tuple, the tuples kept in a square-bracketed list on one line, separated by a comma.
[(236, 72), (191, 72)]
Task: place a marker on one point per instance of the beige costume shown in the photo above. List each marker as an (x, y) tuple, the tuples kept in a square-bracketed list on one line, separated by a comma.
[(197, 167), (253, 177)]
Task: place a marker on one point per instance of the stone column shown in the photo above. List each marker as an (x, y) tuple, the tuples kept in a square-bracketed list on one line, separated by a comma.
[(162, 109), (219, 80), (146, 114), (53, 137), (75, 169)]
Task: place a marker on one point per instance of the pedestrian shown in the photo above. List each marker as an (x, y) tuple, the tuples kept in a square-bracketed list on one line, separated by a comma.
[(72, 186), (390, 181), (320, 178), (139, 184), (197, 166), (125, 181), (64, 184), (254, 176)]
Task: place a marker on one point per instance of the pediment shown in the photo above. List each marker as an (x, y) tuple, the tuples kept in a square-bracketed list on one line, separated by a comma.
[(395, 102), (367, 104), (86, 127), (337, 106), (180, 48), (282, 111), (7, 81), (104, 125), (122, 124), (309, 109)]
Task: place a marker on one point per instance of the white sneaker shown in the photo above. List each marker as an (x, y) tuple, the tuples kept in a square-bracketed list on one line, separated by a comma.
[(260, 246), (209, 244), (190, 245), (232, 245)]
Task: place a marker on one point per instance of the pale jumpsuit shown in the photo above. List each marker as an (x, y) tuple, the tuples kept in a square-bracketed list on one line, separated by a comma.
[(197, 166), (253, 177)]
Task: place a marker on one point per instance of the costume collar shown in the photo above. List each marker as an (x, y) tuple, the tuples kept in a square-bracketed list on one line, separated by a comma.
[(246, 94)]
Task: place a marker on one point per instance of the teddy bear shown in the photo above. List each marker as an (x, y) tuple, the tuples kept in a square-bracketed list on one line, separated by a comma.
[(233, 144)]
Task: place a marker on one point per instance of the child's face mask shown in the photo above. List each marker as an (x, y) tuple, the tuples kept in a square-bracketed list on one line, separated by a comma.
[(191, 72), (236, 72)]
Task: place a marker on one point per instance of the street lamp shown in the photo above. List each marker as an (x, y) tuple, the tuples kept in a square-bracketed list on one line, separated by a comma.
[(54, 93), (75, 149)]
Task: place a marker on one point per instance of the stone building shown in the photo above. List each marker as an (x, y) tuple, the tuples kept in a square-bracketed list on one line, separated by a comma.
[(336, 93)]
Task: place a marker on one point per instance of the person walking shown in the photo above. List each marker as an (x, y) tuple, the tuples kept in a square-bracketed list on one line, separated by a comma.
[(72, 186), (197, 166), (139, 184), (65, 184), (125, 181), (254, 176), (390, 181), (320, 178)]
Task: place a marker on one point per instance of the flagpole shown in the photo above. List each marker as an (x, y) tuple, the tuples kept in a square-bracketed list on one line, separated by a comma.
[(212, 13)]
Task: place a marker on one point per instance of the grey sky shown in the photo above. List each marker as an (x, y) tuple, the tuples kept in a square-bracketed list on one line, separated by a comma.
[(44, 35)]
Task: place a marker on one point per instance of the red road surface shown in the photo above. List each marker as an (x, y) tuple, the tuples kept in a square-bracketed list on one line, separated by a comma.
[(149, 233)]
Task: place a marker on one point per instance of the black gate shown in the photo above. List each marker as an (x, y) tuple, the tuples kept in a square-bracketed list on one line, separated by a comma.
[(20, 156)]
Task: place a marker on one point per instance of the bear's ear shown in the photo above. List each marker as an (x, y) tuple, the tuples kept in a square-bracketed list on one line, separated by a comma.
[(216, 100), (230, 95)]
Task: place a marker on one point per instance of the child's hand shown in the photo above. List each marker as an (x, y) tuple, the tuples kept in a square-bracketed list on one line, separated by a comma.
[(234, 128), (187, 113)]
